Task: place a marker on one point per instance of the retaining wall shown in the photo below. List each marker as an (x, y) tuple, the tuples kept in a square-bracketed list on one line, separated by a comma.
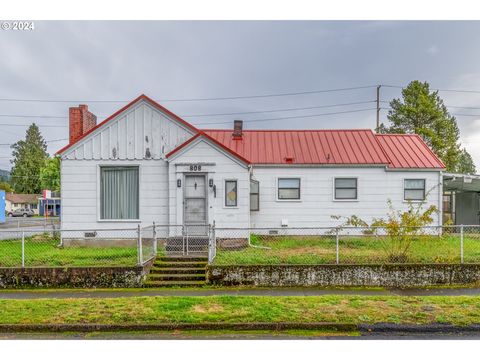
[(405, 275), (79, 277)]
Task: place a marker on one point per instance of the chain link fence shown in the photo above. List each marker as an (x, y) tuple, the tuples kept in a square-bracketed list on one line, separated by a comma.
[(346, 245)]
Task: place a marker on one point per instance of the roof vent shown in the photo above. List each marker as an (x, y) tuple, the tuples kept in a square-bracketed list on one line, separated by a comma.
[(289, 159), (237, 129)]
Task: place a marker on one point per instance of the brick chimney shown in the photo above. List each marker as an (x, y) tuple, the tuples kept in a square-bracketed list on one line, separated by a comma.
[(80, 121), (237, 129)]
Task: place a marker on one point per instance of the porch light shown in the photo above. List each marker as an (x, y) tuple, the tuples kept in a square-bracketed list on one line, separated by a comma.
[(179, 183), (210, 182)]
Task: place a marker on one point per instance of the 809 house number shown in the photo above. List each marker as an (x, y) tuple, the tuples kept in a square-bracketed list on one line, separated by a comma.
[(18, 25)]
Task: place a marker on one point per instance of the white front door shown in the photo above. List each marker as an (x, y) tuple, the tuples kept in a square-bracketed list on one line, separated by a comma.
[(195, 204)]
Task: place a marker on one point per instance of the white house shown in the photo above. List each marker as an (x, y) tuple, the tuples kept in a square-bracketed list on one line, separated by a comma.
[(145, 164)]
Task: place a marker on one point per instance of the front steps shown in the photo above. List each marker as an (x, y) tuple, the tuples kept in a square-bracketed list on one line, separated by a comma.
[(177, 271)]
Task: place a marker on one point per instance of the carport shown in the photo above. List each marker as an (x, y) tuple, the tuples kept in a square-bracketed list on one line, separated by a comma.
[(461, 198)]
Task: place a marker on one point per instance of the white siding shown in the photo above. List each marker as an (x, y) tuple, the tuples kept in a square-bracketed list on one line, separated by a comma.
[(375, 187), (80, 194), (224, 168), (140, 132)]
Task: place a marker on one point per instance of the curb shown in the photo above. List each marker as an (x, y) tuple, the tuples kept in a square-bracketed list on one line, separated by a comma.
[(364, 328), (9, 328), (412, 329)]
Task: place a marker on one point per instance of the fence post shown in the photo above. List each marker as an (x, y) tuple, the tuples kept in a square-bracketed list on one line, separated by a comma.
[(139, 246), (23, 249), (337, 257), (154, 239), (461, 244)]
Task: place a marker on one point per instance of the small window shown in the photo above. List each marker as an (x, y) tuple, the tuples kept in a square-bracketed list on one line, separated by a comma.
[(254, 195), (414, 189), (345, 188), (230, 192), (289, 189)]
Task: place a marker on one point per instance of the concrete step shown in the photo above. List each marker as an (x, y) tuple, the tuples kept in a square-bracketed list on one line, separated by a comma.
[(177, 270), (177, 264), (180, 258), (176, 277), (155, 283)]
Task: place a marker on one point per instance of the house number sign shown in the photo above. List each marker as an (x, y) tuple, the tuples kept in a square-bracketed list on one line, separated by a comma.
[(195, 167)]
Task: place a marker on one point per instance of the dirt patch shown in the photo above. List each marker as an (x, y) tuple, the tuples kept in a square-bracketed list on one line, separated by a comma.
[(209, 308)]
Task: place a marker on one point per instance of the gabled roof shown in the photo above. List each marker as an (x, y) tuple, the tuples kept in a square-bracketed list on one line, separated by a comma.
[(210, 139), (408, 151), (319, 147), (22, 198), (327, 147), (130, 104)]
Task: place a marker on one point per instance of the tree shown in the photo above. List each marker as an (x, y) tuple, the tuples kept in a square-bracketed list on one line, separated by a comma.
[(465, 163), (6, 187), (50, 174), (422, 112), (28, 158)]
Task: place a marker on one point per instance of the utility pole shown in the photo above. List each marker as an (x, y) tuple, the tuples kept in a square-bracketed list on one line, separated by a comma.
[(378, 109)]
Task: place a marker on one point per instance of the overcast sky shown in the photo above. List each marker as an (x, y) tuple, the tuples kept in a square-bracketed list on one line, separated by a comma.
[(82, 61)]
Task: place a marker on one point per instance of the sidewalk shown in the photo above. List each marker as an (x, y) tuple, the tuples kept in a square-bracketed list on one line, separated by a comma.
[(119, 293)]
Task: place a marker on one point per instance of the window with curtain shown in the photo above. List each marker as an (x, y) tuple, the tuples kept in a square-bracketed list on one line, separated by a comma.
[(414, 189), (254, 195), (288, 188), (119, 193), (345, 188), (230, 192)]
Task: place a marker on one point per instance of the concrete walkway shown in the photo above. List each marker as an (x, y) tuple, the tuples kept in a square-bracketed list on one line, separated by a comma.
[(107, 293)]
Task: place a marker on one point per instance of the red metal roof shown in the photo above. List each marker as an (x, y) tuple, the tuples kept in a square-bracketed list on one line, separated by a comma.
[(408, 151), (335, 147)]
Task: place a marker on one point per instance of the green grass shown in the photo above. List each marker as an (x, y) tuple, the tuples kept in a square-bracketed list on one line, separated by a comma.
[(43, 250), (352, 250), (461, 310)]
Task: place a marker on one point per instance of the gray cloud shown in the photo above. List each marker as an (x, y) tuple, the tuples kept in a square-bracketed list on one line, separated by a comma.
[(167, 59)]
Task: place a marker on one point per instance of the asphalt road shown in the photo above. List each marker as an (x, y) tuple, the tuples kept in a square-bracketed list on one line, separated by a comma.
[(14, 226)]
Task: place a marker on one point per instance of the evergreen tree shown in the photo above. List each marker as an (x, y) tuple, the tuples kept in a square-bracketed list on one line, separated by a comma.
[(422, 112), (29, 157)]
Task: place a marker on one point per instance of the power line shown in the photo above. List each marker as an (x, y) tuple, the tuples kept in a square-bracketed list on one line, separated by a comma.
[(47, 141), (445, 90), (291, 117), (201, 99), (39, 125), (280, 110)]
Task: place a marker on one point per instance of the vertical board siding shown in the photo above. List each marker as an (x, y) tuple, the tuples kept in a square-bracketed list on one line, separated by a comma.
[(130, 135)]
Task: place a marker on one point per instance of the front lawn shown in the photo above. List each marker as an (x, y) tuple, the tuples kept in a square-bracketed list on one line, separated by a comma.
[(461, 310), (44, 250), (352, 250)]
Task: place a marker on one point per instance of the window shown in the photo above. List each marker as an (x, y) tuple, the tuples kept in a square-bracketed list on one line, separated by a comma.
[(119, 193), (254, 195), (33, 206), (230, 192), (345, 188), (289, 189), (414, 189)]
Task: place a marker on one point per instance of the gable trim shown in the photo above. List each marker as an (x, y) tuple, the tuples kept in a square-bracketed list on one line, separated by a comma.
[(209, 140)]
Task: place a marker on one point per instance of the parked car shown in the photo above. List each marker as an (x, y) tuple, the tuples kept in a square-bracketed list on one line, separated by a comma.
[(21, 212)]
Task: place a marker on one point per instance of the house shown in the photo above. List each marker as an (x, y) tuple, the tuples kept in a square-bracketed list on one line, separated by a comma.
[(21, 201), (144, 164), (50, 206), (461, 199)]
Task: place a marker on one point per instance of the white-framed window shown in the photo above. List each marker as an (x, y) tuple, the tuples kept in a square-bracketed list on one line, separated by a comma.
[(254, 195), (414, 189), (345, 188), (231, 193), (288, 189), (119, 193)]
